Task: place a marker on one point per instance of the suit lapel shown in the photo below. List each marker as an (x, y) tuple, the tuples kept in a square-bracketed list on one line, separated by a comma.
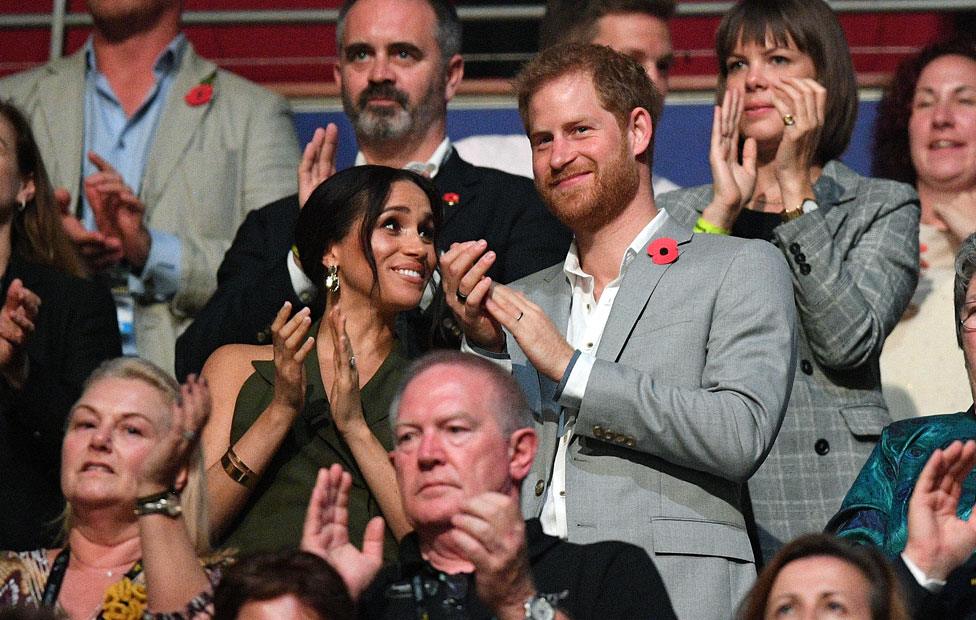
[(65, 130), (166, 154), (638, 285)]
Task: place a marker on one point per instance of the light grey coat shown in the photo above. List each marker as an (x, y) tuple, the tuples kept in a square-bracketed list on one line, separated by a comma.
[(687, 393), (861, 248), (208, 166)]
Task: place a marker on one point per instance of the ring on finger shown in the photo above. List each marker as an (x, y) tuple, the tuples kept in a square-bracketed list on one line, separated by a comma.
[(520, 315), (352, 362), (461, 297), (788, 120)]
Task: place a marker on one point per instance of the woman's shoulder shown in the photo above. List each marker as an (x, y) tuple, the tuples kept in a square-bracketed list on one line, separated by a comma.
[(22, 576), (921, 435), (866, 190)]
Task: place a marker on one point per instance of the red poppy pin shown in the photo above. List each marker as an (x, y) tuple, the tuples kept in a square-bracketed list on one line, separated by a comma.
[(201, 93), (663, 251), (451, 198)]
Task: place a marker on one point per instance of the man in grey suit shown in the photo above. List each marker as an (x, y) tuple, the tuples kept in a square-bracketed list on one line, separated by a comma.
[(159, 156), (659, 362)]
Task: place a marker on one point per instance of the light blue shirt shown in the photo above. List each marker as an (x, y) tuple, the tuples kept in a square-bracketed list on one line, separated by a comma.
[(125, 143)]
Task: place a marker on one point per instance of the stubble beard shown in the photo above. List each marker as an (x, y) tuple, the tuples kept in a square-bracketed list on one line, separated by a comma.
[(588, 209), (375, 125)]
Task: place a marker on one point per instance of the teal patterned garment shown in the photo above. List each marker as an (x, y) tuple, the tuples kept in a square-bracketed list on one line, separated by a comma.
[(875, 511)]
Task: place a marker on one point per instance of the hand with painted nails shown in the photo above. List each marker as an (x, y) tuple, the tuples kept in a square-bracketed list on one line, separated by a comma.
[(291, 345), (466, 288)]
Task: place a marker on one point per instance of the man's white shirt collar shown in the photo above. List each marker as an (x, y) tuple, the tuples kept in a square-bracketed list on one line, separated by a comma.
[(430, 168)]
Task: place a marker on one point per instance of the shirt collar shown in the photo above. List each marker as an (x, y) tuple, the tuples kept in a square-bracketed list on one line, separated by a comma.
[(573, 269), (166, 62), (430, 168)]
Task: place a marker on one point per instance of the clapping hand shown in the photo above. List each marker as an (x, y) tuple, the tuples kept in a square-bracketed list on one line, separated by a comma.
[(118, 211), (347, 408), (732, 182), (16, 325), (326, 531), (166, 465), (98, 250), (938, 540), (805, 100), (466, 288), (291, 346), (489, 531), (318, 161)]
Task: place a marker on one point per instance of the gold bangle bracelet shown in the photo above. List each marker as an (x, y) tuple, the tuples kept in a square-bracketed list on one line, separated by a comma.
[(237, 470)]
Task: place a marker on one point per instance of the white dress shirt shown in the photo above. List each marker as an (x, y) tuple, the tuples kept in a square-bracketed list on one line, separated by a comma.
[(587, 320)]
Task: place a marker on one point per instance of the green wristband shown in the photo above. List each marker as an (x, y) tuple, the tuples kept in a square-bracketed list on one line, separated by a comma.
[(704, 226)]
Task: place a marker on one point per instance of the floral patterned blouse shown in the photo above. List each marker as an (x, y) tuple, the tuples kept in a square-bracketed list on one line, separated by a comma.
[(23, 576)]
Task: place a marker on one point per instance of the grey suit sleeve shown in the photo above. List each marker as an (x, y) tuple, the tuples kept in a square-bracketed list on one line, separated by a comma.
[(725, 425), (850, 298), (269, 159)]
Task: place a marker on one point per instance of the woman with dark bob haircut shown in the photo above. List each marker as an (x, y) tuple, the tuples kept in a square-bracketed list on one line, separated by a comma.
[(282, 411), (788, 102), (55, 328), (821, 573), (929, 111)]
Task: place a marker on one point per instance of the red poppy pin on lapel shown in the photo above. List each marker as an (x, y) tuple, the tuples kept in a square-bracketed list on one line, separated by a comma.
[(663, 251), (201, 93), (451, 198)]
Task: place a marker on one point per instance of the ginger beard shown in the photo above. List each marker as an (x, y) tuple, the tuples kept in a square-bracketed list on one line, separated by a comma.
[(589, 207)]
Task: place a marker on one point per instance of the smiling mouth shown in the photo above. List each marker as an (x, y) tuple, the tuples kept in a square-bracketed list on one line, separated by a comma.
[(569, 179), (944, 144)]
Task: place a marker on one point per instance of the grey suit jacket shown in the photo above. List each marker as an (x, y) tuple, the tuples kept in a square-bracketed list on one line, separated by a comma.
[(689, 388), (854, 265), (208, 166)]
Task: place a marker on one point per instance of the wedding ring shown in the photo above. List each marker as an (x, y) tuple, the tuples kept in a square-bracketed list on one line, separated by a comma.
[(519, 317), (189, 435), (788, 120), (352, 362), (461, 297)]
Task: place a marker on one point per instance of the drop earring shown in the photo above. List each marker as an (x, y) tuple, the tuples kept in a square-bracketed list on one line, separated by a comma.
[(332, 279), (23, 205)]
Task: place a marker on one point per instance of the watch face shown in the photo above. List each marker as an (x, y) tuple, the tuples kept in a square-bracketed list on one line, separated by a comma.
[(540, 609)]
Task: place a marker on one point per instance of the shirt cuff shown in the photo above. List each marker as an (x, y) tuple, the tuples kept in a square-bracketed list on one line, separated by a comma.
[(502, 360), (575, 379), (160, 277), (932, 585), (299, 281)]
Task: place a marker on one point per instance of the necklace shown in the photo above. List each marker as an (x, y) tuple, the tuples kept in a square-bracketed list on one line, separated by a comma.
[(110, 571)]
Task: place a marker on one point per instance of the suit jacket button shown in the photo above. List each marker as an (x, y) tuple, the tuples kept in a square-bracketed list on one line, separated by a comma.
[(805, 268), (262, 336), (806, 367), (794, 248), (631, 442), (305, 297), (822, 447), (800, 257), (598, 432), (540, 486)]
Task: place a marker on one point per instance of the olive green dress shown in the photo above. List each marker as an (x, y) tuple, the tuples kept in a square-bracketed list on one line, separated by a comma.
[(273, 516)]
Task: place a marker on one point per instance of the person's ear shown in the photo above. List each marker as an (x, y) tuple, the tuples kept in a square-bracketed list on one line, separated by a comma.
[(27, 189), (640, 131), (522, 446), (454, 72), (182, 477)]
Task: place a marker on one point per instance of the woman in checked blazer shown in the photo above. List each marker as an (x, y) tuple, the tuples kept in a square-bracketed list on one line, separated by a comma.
[(788, 103)]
